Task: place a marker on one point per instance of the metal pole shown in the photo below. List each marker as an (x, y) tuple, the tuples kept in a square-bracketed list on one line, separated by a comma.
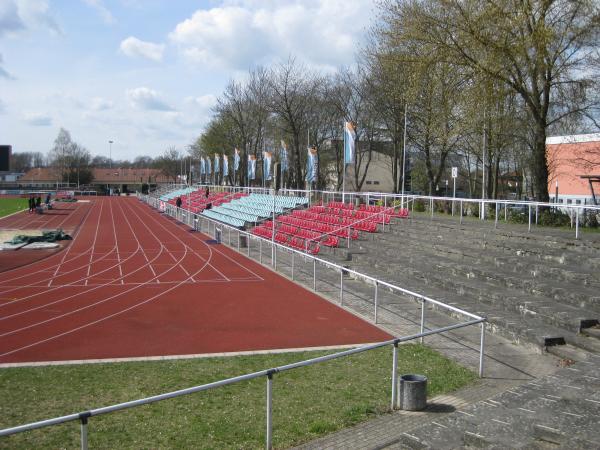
[(529, 214), (496, 218), (481, 347), (275, 255), (394, 375), (505, 212), (314, 275), (269, 411), (461, 211), (453, 193), (404, 154), (376, 299), (84, 432), (341, 286), (577, 223), (260, 251), (431, 206), (293, 253), (422, 320), (536, 214)]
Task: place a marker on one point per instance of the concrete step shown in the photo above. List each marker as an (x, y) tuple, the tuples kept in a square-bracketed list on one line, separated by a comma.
[(485, 292), (564, 291), (505, 248)]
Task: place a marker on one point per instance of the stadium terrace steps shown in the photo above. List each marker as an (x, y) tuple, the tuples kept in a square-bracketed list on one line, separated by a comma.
[(556, 411), (534, 289)]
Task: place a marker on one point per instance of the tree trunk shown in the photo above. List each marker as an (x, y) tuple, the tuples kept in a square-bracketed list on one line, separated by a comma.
[(540, 164)]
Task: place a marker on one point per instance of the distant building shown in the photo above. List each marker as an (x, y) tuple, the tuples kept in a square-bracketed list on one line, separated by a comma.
[(574, 168), (125, 180)]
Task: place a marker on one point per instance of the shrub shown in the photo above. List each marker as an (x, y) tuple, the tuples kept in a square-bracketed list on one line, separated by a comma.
[(553, 218), (419, 205)]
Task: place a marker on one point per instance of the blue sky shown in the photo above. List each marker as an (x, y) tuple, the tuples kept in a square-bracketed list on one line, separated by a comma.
[(146, 73)]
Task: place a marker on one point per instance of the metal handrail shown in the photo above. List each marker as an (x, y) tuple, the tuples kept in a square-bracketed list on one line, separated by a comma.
[(84, 416)]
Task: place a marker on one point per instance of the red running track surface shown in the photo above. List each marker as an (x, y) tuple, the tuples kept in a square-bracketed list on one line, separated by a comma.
[(134, 283)]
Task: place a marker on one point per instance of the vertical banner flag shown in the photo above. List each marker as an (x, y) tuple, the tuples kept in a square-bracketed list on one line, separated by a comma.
[(349, 138), (311, 165), (251, 167), (267, 166), (208, 167), (217, 168), (202, 166), (225, 165), (236, 160), (283, 156)]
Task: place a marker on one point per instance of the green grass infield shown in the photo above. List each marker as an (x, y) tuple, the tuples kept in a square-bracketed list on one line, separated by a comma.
[(12, 205), (307, 402)]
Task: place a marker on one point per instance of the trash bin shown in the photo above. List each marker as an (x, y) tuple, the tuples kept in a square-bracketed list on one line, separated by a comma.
[(413, 392), (218, 235)]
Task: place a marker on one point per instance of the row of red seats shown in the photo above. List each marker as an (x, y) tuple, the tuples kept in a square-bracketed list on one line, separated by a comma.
[(324, 228), (362, 224), (388, 210), (357, 214), (297, 242)]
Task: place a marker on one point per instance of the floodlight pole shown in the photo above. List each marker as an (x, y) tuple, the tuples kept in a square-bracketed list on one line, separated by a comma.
[(110, 143)]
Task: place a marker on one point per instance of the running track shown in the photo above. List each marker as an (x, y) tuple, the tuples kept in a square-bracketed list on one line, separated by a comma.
[(134, 283)]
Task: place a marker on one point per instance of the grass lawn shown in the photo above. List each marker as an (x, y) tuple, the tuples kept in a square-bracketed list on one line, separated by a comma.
[(12, 205), (307, 402)]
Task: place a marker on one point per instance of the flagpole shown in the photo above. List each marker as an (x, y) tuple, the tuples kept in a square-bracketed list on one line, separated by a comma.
[(404, 155), (344, 162)]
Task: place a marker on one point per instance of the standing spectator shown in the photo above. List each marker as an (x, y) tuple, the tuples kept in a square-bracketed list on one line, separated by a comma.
[(178, 202), (38, 201), (48, 199), (31, 203), (207, 192)]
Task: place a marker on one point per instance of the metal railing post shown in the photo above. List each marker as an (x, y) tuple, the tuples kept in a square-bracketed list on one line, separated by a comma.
[(577, 223), (376, 299), (341, 286), (293, 253), (422, 319), (394, 375), (275, 256), (248, 240), (84, 430), (496, 217), (238, 244), (461, 211), (481, 347), (314, 275), (269, 411), (505, 212), (431, 207), (536, 214), (529, 220), (260, 251)]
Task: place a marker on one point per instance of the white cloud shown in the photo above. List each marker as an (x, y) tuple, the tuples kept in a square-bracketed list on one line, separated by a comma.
[(10, 21), (133, 46), (100, 104), (38, 120), (205, 102), (245, 33), (104, 12), (147, 99), (18, 15)]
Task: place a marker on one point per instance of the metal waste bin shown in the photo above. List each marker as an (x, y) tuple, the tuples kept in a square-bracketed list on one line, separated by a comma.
[(413, 392)]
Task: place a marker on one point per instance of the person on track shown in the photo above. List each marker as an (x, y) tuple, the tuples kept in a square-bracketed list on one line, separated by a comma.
[(178, 202)]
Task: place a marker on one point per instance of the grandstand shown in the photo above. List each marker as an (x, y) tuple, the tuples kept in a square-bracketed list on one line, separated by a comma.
[(324, 225)]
